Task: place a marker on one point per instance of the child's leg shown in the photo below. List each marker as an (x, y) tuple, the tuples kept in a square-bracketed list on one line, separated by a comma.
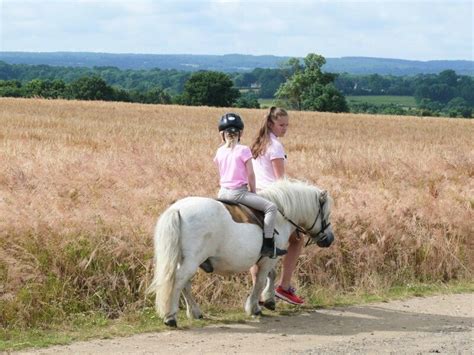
[(259, 203)]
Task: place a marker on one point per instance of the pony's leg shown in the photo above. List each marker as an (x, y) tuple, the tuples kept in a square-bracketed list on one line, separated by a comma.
[(251, 305), (192, 308), (268, 294), (184, 273)]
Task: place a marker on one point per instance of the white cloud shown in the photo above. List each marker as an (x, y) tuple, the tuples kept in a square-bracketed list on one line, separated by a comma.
[(418, 29)]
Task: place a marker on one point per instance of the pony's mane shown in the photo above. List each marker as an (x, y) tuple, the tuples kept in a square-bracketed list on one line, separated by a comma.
[(296, 199)]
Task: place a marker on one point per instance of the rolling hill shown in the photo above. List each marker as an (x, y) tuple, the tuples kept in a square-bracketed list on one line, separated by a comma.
[(233, 62)]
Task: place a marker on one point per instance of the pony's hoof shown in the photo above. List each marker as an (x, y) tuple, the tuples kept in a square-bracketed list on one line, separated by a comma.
[(171, 323), (207, 266), (270, 304), (258, 313)]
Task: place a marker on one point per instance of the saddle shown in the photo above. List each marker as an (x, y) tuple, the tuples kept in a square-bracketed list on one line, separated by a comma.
[(240, 214), (243, 214)]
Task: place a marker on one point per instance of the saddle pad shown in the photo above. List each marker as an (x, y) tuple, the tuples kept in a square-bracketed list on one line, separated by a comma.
[(243, 214)]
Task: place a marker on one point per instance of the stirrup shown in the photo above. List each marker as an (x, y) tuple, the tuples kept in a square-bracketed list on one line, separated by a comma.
[(278, 252), (271, 250)]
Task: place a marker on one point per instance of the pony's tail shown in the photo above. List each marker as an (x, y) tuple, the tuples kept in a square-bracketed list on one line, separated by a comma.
[(167, 257)]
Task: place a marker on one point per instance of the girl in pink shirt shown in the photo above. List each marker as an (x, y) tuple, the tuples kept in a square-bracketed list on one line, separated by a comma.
[(237, 179)]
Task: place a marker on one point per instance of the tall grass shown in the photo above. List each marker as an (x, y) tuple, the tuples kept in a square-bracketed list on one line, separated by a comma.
[(83, 183)]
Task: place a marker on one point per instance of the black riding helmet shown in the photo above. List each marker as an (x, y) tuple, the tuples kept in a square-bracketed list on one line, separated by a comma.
[(231, 122)]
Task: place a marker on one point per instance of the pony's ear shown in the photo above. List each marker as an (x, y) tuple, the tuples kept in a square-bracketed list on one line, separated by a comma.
[(323, 196)]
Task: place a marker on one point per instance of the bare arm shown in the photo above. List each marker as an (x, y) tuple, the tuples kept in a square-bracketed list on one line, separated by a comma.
[(279, 168), (250, 175)]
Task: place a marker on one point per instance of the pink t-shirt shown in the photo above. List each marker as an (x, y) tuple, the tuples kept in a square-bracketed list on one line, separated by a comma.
[(231, 164), (263, 167)]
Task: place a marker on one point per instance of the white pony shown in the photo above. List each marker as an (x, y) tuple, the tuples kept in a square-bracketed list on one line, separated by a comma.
[(199, 231)]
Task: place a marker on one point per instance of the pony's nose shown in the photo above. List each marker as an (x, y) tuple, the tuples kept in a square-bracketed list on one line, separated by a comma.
[(327, 240)]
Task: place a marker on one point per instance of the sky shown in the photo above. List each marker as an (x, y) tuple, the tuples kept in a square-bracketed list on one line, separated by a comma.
[(402, 29)]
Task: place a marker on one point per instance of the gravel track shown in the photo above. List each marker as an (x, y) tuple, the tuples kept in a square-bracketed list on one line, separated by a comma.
[(422, 325)]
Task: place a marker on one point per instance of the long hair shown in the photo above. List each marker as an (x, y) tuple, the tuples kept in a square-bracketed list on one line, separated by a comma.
[(230, 139), (262, 140)]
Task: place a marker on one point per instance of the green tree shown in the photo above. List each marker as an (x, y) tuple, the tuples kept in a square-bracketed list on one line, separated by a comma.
[(448, 77), (11, 88), (245, 79), (291, 67), (45, 88), (90, 88), (458, 107), (209, 88), (309, 88), (247, 100), (156, 96), (119, 94), (270, 80), (466, 89), (325, 98)]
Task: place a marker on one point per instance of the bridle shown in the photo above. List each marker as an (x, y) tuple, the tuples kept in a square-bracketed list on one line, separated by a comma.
[(320, 236)]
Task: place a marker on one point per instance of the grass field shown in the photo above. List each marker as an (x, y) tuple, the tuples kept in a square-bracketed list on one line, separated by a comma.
[(83, 183), (404, 101), (264, 103)]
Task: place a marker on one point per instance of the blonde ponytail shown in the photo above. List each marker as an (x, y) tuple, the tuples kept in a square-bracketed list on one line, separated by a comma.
[(230, 139)]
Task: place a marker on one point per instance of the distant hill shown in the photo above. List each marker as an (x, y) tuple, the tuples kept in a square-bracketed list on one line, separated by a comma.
[(233, 62), (398, 67)]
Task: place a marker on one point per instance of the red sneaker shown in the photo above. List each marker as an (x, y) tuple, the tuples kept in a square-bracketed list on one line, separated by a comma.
[(288, 295)]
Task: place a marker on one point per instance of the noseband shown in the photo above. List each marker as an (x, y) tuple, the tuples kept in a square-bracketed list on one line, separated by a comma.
[(320, 236)]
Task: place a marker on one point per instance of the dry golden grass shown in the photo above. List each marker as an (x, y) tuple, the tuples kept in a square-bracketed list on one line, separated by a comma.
[(82, 184)]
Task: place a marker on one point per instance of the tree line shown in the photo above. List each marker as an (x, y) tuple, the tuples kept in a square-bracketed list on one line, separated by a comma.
[(306, 87), (202, 88), (446, 93), (297, 84)]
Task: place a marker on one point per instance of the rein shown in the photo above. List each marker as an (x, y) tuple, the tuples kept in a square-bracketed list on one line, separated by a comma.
[(299, 229)]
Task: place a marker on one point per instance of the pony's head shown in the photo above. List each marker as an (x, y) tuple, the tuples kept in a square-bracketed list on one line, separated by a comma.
[(325, 236), (305, 205)]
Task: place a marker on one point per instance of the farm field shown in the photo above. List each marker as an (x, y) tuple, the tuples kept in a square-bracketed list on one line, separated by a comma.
[(405, 101), (82, 184), (264, 103)]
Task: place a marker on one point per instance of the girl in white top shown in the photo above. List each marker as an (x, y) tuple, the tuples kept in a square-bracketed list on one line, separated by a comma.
[(264, 164), (269, 165)]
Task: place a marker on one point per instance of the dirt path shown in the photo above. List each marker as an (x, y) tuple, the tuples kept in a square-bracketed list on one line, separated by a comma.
[(439, 324)]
